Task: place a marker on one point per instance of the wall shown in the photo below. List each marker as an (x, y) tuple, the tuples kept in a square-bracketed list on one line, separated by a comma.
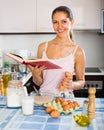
[(91, 42)]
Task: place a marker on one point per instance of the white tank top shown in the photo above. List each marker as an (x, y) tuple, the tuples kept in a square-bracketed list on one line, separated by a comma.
[(53, 77)]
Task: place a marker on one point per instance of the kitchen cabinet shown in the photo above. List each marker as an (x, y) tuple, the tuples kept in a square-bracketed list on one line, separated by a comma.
[(25, 16), (17, 16), (44, 11), (86, 13), (102, 4)]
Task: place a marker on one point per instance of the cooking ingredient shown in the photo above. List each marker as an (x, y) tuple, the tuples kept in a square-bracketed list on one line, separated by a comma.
[(55, 114), (82, 120), (64, 103), (1, 87), (75, 104), (15, 93), (28, 105), (40, 100), (85, 107), (58, 99), (63, 106), (49, 109), (5, 76), (66, 107), (69, 101)]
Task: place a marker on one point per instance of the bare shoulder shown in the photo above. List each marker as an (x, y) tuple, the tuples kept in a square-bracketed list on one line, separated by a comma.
[(79, 51), (40, 49), (41, 45), (80, 55)]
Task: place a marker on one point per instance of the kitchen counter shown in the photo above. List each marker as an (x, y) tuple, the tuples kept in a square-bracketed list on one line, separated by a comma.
[(13, 119)]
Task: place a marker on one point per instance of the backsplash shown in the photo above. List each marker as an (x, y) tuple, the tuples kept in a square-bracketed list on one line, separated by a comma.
[(91, 42)]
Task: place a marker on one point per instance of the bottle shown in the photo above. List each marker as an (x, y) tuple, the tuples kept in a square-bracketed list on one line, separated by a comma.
[(1, 59), (6, 75), (85, 107), (1, 87)]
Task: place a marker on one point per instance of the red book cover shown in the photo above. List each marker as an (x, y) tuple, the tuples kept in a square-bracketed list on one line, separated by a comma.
[(39, 62)]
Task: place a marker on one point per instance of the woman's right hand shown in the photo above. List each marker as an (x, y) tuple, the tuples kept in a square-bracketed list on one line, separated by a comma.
[(37, 73)]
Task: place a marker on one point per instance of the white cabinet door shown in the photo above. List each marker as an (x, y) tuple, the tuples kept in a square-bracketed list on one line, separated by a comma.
[(86, 13), (102, 4), (17, 16), (44, 11)]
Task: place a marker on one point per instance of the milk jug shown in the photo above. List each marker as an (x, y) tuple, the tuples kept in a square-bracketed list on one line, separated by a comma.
[(15, 93)]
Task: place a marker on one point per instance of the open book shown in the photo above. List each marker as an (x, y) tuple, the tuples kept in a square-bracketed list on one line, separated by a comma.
[(34, 62)]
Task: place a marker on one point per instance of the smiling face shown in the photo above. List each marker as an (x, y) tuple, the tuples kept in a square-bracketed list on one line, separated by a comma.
[(61, 24)]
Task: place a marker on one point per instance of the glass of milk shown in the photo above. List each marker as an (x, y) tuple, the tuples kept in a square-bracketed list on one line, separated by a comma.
[(27, 105)]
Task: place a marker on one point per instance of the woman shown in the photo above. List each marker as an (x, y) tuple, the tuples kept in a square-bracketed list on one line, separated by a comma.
[(63, 51)]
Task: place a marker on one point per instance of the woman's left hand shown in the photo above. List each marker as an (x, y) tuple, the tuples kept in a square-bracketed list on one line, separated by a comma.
[(68, 83)]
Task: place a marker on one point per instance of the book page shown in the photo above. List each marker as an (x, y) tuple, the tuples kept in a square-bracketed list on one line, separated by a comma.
[(15, 57)]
